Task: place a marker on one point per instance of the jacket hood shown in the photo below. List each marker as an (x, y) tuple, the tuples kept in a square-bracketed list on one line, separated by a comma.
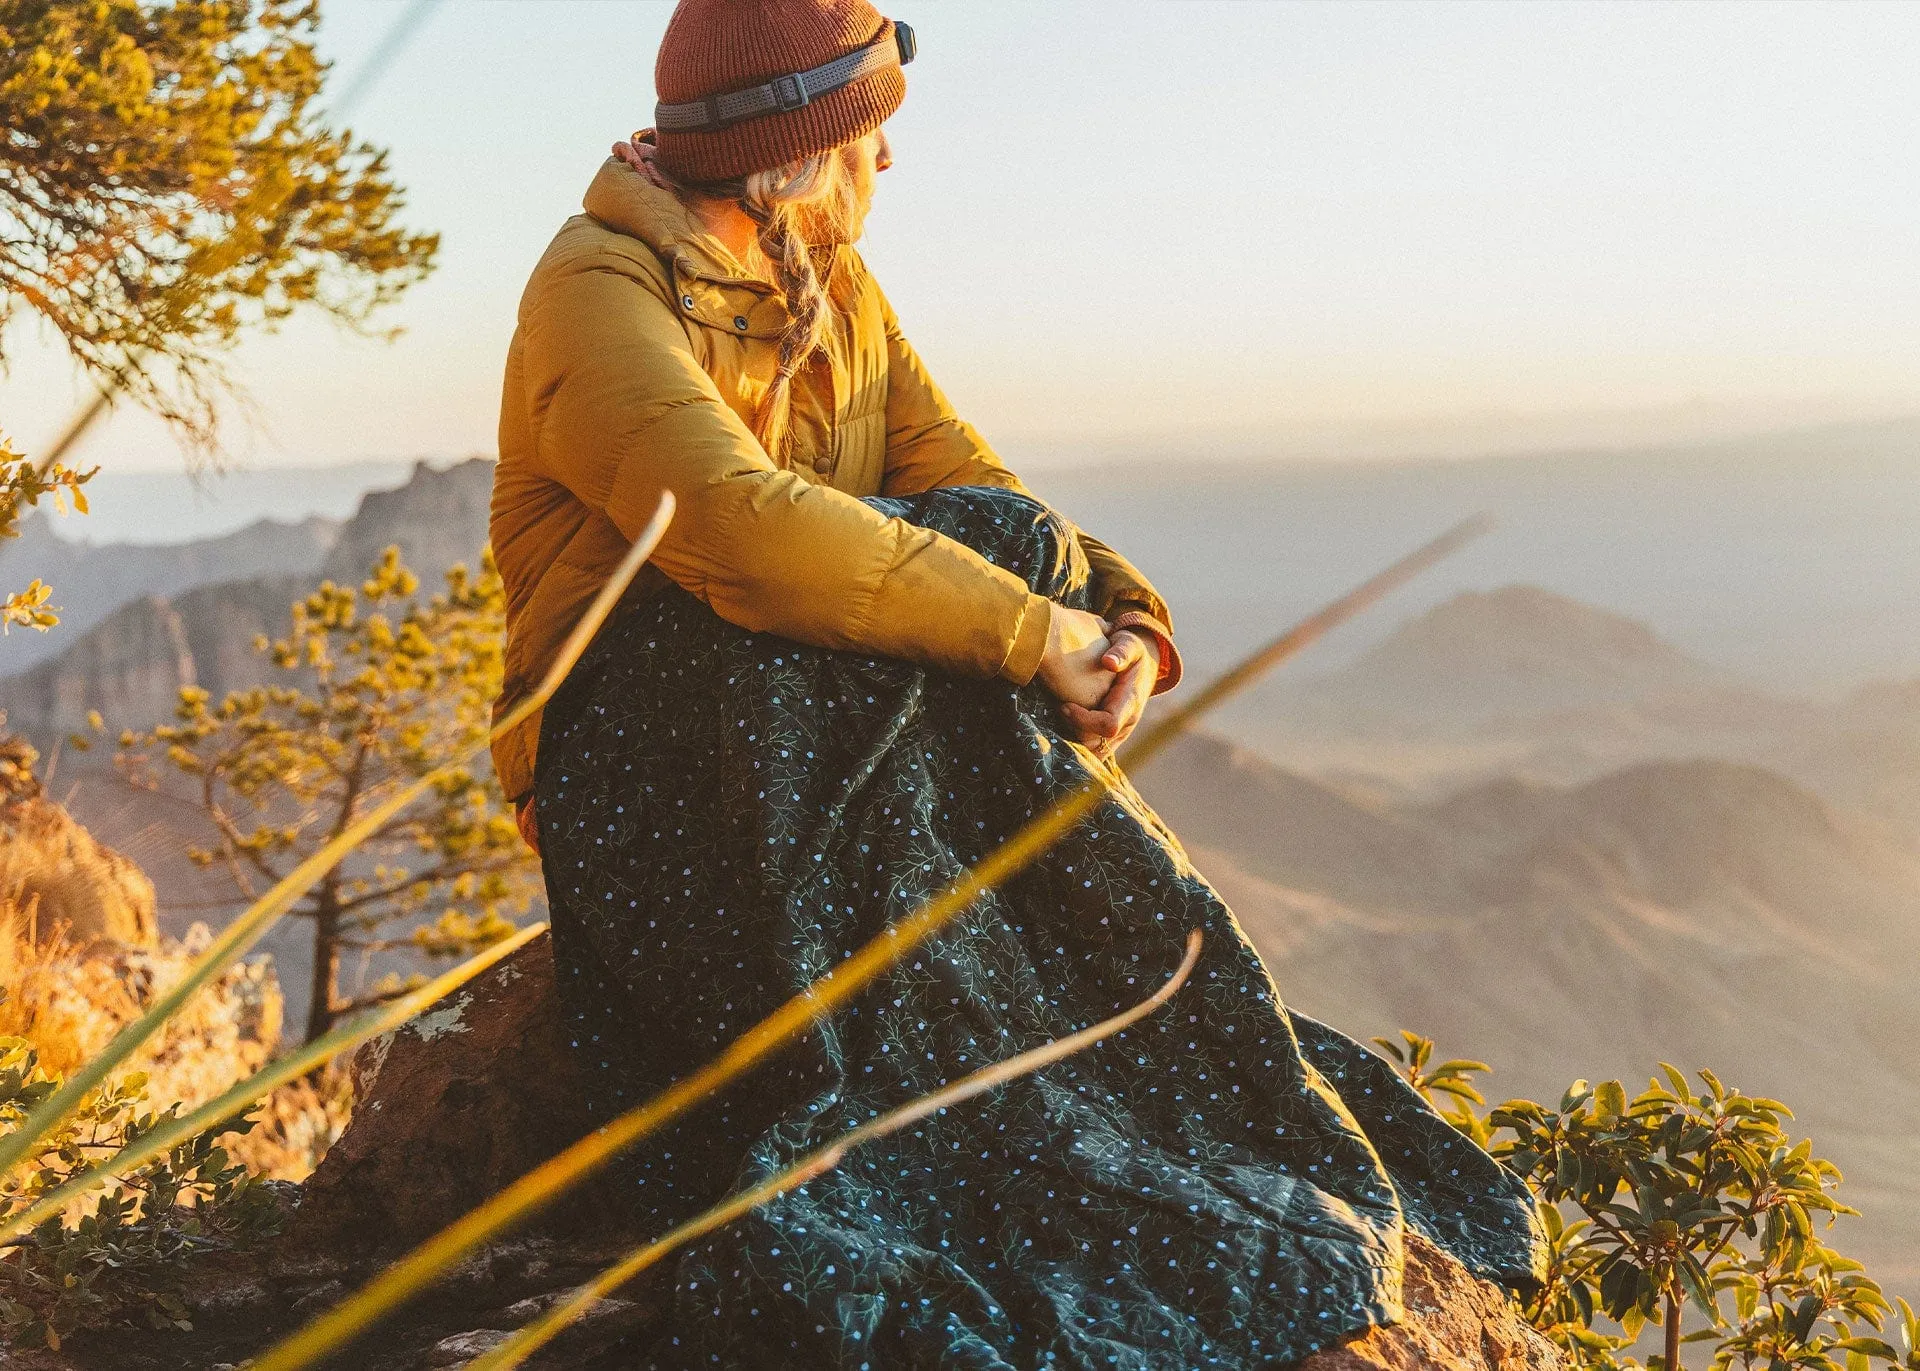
[(627, 202)]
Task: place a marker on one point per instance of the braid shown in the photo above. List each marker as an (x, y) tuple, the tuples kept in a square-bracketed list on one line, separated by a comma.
[(807, 311), (813, 193)]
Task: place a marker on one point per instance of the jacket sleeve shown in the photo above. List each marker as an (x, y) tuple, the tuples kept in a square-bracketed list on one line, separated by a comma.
[(928, 446), (1118, 585), (622, 409)]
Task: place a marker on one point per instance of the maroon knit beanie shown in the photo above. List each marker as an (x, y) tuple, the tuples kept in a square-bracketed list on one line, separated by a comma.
[(712, 47)]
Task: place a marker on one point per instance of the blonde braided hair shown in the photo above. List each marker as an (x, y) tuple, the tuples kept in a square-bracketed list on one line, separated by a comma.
[(796, 207)]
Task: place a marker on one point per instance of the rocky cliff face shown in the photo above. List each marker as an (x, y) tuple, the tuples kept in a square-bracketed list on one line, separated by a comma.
[(131, 665), (189, 614), (92, 580), (437, 518)]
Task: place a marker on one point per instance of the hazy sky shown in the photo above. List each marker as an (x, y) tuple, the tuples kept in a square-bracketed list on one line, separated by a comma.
[(1234, 227)]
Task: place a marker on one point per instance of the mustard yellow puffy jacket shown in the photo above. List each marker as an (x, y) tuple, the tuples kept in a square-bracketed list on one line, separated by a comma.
[(641, 352)]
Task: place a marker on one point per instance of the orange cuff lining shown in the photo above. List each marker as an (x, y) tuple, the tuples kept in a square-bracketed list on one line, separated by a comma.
[(1170, 665), (528, 824)]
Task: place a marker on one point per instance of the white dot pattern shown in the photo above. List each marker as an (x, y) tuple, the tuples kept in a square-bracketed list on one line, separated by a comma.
[(726, 815)]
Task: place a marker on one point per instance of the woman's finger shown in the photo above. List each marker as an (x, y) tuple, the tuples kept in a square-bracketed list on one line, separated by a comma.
[(1127, 700), (1095, 730), (1123, 651), (1090, 725), (1124, 694), (1100, 721)]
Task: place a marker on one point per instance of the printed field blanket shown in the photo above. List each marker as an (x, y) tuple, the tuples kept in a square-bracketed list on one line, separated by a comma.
[(726, 815)]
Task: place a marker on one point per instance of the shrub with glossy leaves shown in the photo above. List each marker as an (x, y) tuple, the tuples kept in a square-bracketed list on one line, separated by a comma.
[(118, 1259), (1678, 1204)]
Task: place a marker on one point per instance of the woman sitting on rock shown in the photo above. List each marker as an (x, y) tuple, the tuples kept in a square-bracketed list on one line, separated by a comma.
[(864, 655)]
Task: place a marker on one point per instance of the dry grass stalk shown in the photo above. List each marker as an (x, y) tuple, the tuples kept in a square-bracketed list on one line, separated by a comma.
[(71, 1001)]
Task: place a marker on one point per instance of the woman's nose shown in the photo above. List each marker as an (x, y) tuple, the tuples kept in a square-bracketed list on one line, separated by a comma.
[(882, 153)]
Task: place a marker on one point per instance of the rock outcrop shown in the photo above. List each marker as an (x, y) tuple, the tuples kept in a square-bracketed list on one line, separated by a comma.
[(449, 1108), (1454, 1322), (437, 518)]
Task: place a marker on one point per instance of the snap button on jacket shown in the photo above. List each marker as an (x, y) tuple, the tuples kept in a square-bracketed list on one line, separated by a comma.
[(641, 353)]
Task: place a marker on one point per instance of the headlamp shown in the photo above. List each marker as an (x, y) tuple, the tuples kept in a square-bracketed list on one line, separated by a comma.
[(791, 91)]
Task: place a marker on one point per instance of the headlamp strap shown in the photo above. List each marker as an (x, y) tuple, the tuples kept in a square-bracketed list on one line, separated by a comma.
[(788, 92)]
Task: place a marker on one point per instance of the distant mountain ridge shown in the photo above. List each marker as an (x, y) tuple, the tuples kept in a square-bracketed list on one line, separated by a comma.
[(1522, 684), (1517, 650), (185, 504), (1703, 912), (1498, 647), (1787, 558), (92, 580), (1514, 681), (131, 662)]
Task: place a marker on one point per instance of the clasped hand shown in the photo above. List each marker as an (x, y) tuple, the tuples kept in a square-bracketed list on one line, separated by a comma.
[(1103, 679)]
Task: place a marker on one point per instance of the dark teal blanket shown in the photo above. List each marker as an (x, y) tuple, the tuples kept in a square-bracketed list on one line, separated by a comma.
[(726, 815)]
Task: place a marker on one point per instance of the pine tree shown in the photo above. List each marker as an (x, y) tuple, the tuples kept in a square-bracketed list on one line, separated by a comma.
[(167, 180), (376, 688)]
